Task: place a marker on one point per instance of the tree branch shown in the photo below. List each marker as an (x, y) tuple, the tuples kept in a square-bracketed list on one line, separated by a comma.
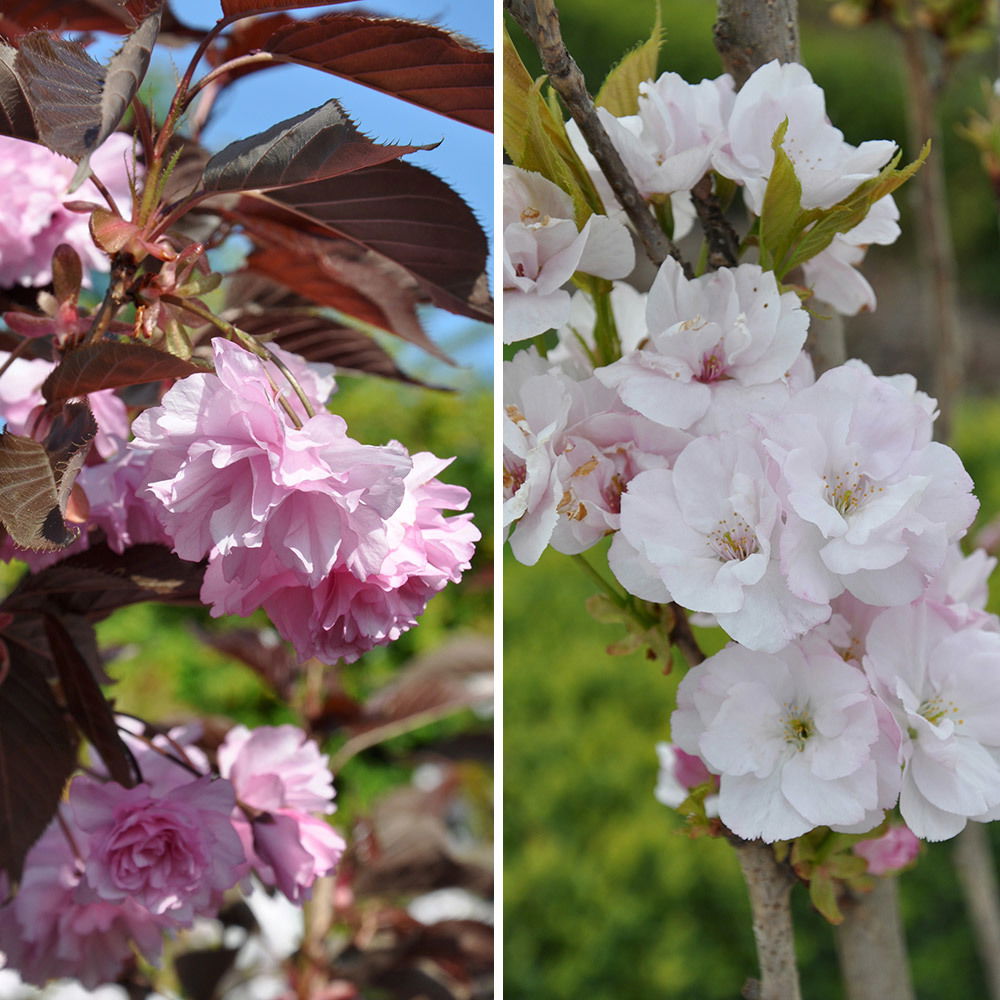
[(871, 947), (539, 20), (749, 33), (769, 884), (977, 876)]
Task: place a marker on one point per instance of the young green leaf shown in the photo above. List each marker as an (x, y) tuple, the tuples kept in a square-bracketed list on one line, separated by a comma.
[(781, 212), (620, 91)]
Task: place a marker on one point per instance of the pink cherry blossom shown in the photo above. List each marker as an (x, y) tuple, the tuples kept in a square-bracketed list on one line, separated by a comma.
[(871, 502), (708, 530), (33, 221), (719, 346), (680, 772), (795, 737), (942, 685), (282, 774), (175, 852), (828, 167), (52, 929), (543, 248), (895, 849)]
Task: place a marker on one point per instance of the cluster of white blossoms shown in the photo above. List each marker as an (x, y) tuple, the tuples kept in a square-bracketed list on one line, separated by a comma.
[(813, 519)]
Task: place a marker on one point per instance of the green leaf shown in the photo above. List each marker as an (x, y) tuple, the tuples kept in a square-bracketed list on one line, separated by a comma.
[(849, 212), (620, 91), (535, 136), (823, 895), (781, 212)]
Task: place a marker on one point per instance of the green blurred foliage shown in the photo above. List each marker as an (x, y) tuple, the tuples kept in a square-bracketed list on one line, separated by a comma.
[(606, 897)]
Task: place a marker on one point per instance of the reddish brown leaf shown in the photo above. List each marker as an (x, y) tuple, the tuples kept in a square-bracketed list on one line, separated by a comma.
[(400, 211), (419, 63), (268, 657), (37, 744), (38, 479), (343, 276), (245, 8), (318, 144), (86, 703), (112, 364), (20, 16), (317, 338)]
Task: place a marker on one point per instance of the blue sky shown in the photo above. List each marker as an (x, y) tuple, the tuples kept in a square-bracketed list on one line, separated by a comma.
[(464, 159)]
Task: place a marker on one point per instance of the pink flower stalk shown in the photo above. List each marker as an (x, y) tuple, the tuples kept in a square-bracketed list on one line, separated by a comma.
[(174, 852), (53, 929), (278, 772), (895, 849), (33, 221)]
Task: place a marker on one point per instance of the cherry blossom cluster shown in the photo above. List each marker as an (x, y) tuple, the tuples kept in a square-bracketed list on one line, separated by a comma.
[(815, 520), (119, 868), (680, 133), (341, 543)]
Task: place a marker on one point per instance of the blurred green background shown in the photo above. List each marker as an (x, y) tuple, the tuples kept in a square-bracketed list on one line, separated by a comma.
[(606, 897)]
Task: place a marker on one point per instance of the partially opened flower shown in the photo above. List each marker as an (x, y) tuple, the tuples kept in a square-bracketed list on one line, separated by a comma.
[(543, 248), (895, 849)]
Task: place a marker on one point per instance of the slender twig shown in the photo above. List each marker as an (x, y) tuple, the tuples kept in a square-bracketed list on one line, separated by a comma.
[(723, 243), (539, 20), (123, 268), (769, 885), (105, 193), (683, 638)]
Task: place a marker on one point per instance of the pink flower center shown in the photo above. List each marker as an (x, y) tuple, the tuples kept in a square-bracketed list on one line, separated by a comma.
[(733, 539), (713, 366)]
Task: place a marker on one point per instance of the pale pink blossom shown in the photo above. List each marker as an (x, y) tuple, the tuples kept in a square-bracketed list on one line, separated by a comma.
[(543, 248), (720, 346), (895, 849), (708, 530), (174, 852), (871, 503), (33, 220), (942, 685), (52, 929), (293, 849), (570, 449), (794, 736), (833, 273), (827, 167)]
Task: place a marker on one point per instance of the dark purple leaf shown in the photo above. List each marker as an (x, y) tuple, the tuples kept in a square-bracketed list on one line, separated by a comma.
[(86, 703), (15, 113), (400, 211), (76, 102), (318, 144), (37, 744), (245, 8), (111, 364), (21, 16), (201, 971)]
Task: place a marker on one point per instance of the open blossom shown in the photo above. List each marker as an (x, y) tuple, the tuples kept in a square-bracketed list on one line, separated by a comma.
[(828, 167), (33, 221), (543, 248), (872, 504), (795, 737), (279, 772), (719, 346), (942, 684), (668, 145), (52, 929), (707, 531), (174, 852)]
